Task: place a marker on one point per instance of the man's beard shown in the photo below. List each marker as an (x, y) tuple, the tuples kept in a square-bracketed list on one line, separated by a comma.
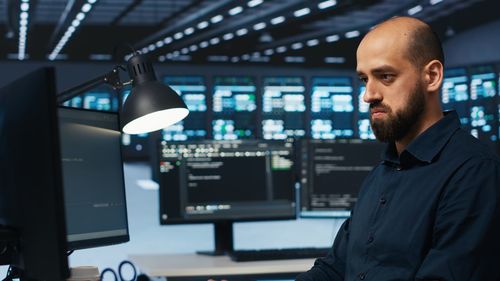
[(398, 125)]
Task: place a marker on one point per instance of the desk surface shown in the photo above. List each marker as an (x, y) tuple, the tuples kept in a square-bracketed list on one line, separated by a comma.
[(183, 265)]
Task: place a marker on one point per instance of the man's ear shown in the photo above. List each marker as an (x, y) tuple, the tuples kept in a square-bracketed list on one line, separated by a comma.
[(433, 72)]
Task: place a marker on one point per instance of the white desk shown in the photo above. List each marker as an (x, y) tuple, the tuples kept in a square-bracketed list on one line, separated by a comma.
[(191, 265)]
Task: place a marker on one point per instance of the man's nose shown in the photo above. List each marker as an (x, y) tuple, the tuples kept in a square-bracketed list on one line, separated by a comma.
[(372, 93)]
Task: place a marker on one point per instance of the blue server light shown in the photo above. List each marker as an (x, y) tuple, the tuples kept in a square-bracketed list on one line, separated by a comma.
[(100, 98), (483, 104), (455, 94), (332, 108), (483, 86), (234, 108), (364, 128), (97, 100), (283, 108), (75, 102)]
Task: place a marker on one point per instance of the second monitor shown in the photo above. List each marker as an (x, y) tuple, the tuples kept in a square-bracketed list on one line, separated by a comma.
[(332, 172), (226, 181), (93, 182)]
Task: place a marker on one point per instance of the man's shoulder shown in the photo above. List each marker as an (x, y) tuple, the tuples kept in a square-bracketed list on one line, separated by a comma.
[(465, 147)]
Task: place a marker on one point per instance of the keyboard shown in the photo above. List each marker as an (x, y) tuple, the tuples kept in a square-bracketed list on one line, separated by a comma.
[(278, 254)]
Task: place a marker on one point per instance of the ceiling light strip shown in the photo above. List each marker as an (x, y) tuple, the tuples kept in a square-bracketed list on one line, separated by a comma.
[(200, 26), (254, 3), (23, 29), (415, 10), (86, 8), (327, 4), (280, 19), (274, 21), (302, 12), (329, 38)]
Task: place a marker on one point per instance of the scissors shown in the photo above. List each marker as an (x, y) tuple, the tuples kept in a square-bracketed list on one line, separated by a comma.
[(119, 276)]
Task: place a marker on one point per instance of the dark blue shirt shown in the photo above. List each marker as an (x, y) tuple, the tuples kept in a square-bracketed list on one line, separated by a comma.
[(432, 213)]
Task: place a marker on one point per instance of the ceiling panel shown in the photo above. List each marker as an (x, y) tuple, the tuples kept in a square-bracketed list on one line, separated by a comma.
[(260, 30)]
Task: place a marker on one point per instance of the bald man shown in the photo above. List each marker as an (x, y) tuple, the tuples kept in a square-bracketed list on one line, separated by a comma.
[(431, 209)]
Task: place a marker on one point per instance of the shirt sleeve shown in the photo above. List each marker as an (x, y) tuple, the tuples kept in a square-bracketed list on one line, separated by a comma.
[(466, 234), (331, 267)]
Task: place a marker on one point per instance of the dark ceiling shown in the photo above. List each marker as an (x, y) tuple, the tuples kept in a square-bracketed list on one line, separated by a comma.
[(313, 32)]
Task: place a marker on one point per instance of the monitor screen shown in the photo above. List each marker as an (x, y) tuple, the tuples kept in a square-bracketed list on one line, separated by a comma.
[(94, 187), (455, 94), (332, 172), (283, 108), (234, 108), (364, 128), (31, 191), (332, 108), (226, 181), (484, 105), (193, 91)]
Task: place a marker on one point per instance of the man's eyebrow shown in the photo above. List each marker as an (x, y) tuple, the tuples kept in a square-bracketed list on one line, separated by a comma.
[(382, 69), (378, 70)]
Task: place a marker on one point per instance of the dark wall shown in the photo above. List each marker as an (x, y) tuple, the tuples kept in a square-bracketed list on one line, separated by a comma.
[(72, 74), (480, 45)]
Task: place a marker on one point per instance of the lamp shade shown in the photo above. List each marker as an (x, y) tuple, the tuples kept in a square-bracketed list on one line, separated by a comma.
[(151, 105)]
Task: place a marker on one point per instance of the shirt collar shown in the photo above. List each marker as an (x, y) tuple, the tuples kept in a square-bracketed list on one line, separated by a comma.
[(428, 144)]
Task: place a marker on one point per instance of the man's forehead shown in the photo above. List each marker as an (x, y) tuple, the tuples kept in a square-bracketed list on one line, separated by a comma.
[(383, 39), (377, 50)]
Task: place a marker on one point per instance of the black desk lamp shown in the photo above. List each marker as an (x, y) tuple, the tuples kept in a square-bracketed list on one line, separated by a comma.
[(150, 106)]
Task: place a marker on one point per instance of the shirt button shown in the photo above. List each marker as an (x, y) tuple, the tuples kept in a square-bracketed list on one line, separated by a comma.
[(399, 168), (362, 276), (370, 239), (383, 200)]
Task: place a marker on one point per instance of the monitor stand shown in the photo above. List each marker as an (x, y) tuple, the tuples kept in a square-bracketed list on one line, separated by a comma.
[(223, 236)]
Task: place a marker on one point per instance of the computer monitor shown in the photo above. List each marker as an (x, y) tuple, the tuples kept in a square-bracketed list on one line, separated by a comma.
[(484, 104), (365, 131), (455, 94), (331, 174), (193, 91), (93, 183), (234, 108), (31, 191), (283, 108), (222, 182), (332, 108)]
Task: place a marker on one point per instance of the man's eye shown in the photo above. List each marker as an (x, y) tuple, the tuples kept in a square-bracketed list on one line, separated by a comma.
[(363, 79), (387, 77)]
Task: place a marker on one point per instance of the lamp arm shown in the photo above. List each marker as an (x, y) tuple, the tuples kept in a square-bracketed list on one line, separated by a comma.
[(112, 78)]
